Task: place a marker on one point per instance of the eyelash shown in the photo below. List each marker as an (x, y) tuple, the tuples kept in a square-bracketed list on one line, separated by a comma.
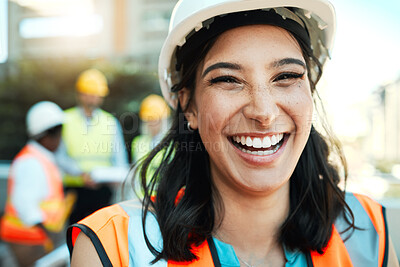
[(281, 77), (288, 76), (225, 79)]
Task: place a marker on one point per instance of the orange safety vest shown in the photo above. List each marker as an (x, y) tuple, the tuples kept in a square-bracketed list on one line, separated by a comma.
[(12, 229), (115, 236)]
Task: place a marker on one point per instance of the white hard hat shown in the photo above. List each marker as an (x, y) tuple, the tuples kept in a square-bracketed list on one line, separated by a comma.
[(190, 16), (43, 116)]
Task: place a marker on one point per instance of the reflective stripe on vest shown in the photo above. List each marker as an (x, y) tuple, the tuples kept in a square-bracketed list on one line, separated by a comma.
[(363, 248), (12, 228), (90, 144)]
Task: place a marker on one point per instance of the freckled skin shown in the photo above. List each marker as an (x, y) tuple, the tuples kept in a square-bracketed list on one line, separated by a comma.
[(255, 103)]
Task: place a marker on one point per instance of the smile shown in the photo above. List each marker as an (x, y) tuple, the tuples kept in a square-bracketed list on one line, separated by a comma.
[(260, 146)]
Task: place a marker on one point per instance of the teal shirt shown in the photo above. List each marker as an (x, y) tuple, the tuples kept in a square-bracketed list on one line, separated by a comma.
[(228, 258)]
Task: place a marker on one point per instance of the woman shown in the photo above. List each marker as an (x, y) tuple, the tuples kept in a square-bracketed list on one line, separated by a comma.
[(245, 179)]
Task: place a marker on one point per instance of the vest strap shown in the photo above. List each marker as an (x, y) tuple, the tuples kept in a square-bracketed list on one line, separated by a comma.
[(386, 253), (74, 231), (214, 253)]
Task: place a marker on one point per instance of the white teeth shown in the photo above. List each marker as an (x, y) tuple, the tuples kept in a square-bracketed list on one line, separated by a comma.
[(273, 140), (260, 152), (249, 142), (266, 142), (257, 143), (243, 140)]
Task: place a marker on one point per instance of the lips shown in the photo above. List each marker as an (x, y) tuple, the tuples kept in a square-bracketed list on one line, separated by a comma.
[(261, 146)]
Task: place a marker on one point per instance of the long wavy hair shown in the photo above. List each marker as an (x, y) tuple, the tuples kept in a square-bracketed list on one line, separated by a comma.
[(315, 197)]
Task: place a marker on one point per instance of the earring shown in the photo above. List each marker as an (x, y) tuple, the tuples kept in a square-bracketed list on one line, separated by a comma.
[(189, 128)]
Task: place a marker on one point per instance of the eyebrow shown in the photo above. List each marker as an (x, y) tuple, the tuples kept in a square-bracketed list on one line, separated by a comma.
[(221, 65), (233, 66), (287, 61)]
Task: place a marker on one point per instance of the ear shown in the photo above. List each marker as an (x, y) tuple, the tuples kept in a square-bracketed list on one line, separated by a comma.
[(189, 107)]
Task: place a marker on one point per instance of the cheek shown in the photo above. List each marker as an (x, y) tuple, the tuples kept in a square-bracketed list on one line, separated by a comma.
[(301, 110), (215, 110)]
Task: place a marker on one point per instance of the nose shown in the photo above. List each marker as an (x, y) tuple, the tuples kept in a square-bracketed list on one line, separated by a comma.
[(262, 106)]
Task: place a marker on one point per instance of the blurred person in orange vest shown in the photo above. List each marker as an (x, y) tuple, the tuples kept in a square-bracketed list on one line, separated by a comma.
[(92, 153), (36, 210)]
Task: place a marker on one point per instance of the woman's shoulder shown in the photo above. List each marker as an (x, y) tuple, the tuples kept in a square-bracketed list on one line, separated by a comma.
[(118, 213), (361, 198), (369, 232), (369, 221), (110, 231), (364, 205)]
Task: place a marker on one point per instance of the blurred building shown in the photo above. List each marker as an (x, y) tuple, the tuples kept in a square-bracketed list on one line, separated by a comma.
[(385, 122), (88, 28)]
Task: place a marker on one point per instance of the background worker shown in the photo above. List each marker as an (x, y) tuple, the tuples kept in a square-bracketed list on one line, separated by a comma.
[(154, 113), (93, 139), (36, 210)]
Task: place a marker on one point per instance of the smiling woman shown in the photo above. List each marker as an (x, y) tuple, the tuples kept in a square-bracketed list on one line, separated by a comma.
[(251, 96), (245, 178)]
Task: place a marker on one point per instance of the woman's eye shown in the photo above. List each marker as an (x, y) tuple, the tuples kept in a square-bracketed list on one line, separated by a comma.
[(223, 79), (288, 76)]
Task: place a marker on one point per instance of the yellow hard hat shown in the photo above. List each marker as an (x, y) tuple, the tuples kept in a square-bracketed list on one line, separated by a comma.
[(92, 82), (153, 108)]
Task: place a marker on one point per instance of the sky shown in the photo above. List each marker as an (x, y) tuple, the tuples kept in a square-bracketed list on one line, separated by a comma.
[(366, 54)]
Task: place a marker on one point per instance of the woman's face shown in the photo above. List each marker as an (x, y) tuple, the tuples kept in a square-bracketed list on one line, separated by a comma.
[(253, 108)]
